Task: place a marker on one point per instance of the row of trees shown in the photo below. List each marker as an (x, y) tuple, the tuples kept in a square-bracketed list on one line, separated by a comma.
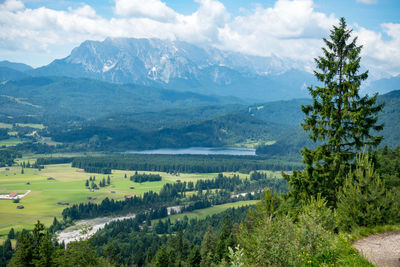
[(192, 242), (143, 177), (175, 194), (182, 163)]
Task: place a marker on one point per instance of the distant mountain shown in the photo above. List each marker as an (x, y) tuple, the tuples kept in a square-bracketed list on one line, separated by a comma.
[(383, 86), (88, 98), (7, 74), (390, 116), (182, 66), (15, 66), (226, 130)]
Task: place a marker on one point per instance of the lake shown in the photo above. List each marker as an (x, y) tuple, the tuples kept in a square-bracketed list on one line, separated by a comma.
[(235, 151)]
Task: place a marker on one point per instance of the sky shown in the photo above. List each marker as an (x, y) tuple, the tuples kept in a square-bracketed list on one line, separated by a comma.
[(37, 32)]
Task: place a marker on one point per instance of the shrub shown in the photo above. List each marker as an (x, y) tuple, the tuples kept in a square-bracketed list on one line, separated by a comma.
[(364, 199), (276, 239)]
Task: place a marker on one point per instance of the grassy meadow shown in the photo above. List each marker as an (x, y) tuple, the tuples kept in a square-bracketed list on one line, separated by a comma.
[(203, 213), (10, 142), (69, 186)]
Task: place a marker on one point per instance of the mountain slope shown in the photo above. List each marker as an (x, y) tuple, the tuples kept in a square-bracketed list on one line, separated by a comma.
[(15, 66), (383, 86), (181, 66), (91, 98), (7, 74), (226, 130), (390, 116)]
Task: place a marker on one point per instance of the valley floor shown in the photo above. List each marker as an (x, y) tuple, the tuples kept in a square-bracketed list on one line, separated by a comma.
[(58, 186)]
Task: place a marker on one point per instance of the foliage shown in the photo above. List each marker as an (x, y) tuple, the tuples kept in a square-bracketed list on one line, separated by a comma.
[(140, 178), (182, 163), (34, 249), (272, 237), (172, 194), (338, 118), (387, 165), (78, 254), (364, 200), (6, 252), (185, 242), (38, 249)]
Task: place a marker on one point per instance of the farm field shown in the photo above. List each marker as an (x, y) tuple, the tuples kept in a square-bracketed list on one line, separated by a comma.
[(68, 186)]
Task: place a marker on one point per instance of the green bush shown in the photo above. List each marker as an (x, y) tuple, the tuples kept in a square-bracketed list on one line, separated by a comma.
[(275, 239), (364, 199)]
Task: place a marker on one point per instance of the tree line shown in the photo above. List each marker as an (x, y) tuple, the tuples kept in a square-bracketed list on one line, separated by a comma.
[(143, 177), (175, 194), (182, 163)]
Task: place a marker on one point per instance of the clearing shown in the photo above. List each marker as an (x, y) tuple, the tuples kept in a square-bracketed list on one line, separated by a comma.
[(68, 186)]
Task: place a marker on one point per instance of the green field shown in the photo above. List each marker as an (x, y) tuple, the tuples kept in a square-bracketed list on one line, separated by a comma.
[(5, 125), (31, 125), (10, 142), (203, 213), (69, 186)]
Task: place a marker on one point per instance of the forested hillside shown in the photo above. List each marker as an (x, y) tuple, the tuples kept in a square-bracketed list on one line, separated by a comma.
[(90, 98)]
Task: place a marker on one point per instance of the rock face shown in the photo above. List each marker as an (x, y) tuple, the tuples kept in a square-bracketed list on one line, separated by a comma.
[(181, 66)]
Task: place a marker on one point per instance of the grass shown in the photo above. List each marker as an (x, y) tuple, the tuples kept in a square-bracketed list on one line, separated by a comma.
[(361, 232), (5, 125), (49, 141), (69, 186), (31, 125), (203, 213), (10, 142)]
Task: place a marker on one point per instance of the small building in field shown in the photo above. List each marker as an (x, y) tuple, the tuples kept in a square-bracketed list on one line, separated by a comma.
[(28, 183), (50, 178), (20, 207), (132, 187)]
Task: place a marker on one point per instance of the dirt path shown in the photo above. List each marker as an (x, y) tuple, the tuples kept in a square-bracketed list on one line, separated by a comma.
[(382, 250)]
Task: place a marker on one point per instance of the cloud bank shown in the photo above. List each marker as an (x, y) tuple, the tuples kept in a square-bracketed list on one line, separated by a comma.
[(290, 29)]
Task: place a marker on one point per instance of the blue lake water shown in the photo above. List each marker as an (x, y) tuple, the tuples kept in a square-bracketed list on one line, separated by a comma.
[(236, 151)]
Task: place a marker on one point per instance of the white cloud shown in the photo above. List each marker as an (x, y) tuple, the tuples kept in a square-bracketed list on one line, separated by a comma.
[(381, 56), (12, 5), (368, 2), (291, 30), (152, 9)]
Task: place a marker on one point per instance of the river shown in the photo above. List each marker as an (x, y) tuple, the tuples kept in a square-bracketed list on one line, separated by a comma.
[(234, 151), (84, 229)]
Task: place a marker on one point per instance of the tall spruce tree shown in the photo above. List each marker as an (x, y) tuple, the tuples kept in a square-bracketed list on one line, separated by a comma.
[(339, 120)]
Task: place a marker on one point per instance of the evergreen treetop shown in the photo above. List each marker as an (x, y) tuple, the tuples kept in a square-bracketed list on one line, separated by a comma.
[(339, 120)]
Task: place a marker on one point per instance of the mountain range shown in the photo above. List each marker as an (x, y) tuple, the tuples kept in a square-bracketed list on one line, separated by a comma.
[(180, 66), (151, 93)]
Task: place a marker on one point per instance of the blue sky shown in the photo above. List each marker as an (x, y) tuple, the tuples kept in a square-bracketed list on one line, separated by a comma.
[(36, 32)]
